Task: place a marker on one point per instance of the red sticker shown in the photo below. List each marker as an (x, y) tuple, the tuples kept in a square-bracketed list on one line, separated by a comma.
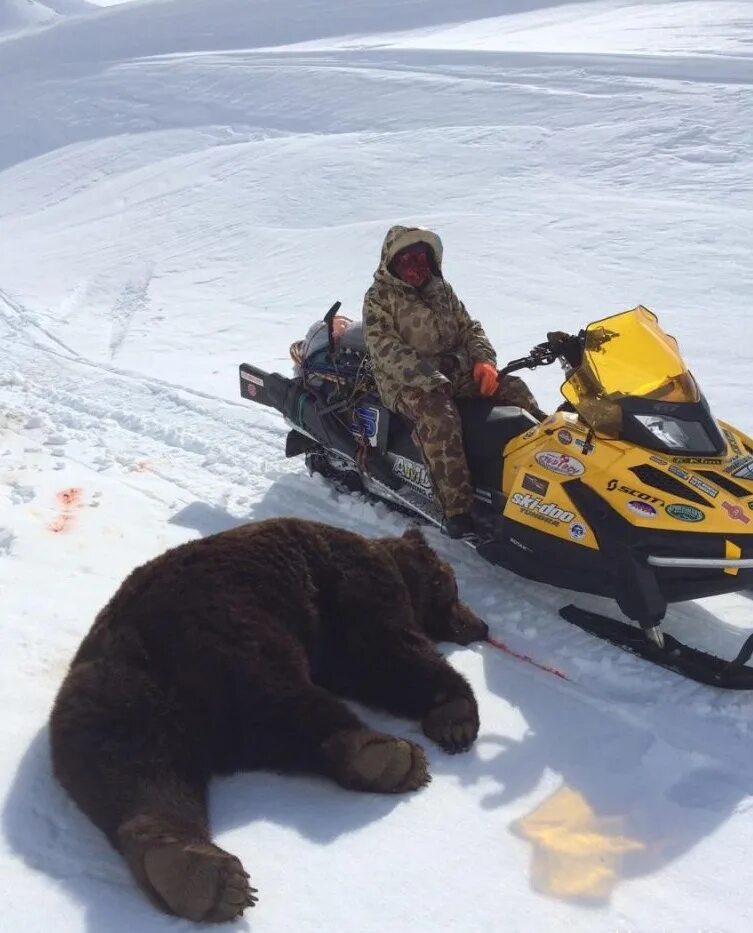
[(736, 513)]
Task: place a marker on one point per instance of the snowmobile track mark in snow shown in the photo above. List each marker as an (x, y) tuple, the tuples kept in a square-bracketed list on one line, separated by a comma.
[(133, 298)]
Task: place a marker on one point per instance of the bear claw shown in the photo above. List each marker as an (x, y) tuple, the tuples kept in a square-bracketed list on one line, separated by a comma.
[(453, 725), (199, 881)]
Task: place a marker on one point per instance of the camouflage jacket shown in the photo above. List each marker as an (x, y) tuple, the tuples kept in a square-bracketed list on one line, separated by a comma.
[(423, 338)]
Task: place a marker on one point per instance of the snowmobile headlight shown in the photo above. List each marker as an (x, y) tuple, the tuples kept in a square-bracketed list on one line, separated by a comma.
[(676, 434)]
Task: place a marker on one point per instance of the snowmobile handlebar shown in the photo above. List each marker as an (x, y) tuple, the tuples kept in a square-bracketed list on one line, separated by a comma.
[(557, 345)]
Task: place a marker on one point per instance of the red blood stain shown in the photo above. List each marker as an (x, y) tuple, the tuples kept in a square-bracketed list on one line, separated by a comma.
[(69, 501), (69, 497)]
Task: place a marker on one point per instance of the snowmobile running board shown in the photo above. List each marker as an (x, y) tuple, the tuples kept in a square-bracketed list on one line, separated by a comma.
[(674, 656)]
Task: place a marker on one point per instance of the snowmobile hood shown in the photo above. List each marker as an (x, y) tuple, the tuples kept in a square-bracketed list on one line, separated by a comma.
[(398, 238)]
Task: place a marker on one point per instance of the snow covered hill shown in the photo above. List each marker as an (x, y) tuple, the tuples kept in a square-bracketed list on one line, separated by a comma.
[(22, 14), (185, 184)]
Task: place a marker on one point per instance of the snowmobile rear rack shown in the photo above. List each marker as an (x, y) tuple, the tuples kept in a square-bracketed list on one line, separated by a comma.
[(674, 655)]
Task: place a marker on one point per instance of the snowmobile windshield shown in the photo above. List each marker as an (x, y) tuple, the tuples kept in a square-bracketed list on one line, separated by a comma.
[(627, 356)]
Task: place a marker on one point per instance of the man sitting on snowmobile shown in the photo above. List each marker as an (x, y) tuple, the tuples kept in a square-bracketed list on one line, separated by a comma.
[(426, 350)]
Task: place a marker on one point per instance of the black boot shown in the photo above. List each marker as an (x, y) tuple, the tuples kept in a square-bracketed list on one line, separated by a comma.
[(459, 526)]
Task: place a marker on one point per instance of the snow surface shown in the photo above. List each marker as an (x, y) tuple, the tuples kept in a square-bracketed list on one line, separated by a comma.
[(188, 184)]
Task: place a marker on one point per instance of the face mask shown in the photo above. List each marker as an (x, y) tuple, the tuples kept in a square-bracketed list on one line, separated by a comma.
[(412, 266)]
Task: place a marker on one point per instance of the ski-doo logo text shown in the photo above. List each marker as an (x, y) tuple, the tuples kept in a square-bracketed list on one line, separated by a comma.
[(563, 464), (544, 511), (414, 473)]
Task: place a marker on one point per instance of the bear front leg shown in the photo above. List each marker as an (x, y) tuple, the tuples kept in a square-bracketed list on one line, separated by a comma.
[(402, 672), (365, 760), (307, 728), (453, 723)]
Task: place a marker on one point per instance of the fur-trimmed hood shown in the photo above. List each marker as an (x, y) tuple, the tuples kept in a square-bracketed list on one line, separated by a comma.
[(398, 238)]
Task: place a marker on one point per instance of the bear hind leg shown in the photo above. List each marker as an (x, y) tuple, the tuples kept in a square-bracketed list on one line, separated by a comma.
[(126, 755)]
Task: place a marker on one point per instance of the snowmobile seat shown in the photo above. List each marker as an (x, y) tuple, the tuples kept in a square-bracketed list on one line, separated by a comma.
[(487, 429)]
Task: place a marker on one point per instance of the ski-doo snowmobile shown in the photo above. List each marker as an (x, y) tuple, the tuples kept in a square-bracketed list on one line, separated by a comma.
[(631, 490)]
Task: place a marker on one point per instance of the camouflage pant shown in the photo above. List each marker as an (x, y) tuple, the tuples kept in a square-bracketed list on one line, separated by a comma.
[(438, 432), (512, 391)]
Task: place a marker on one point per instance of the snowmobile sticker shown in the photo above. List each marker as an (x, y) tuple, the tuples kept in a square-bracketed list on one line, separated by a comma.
[(732, 441), (642, 508), (366, 423), (577, 531), (544, 511), (560, 463), (678, 471), (535, 484), (635, 493), (736, 512), (414, 473), (705, 487), (564, 437), (685, 513), (742, 468), (250, 377)]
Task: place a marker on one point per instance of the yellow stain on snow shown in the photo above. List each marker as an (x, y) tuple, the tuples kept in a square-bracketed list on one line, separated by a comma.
[(576, 853)]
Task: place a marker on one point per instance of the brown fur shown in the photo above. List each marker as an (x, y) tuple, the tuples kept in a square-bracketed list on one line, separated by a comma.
[(229, 653)]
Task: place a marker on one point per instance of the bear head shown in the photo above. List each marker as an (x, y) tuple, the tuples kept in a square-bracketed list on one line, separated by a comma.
[(434, 593)]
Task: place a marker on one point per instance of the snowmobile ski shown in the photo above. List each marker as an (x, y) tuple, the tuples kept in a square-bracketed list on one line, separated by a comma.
[(674, 655)]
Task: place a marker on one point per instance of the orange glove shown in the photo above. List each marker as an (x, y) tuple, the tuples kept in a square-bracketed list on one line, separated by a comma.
[(486, 376)]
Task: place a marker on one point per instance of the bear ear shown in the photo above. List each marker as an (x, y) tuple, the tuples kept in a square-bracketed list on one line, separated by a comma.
[(414, 536)]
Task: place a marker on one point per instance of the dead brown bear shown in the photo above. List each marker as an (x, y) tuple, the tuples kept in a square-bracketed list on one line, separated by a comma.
[(227, 654)]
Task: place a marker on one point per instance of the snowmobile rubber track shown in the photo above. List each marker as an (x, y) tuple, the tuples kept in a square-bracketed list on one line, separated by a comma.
[(674, 656)]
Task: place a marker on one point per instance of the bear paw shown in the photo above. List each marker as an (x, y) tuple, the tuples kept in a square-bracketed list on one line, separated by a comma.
[(371, 761), (199, 881), (453, 725)]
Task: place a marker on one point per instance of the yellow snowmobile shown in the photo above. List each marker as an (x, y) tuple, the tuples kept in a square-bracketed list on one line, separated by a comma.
[(631, 490)]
